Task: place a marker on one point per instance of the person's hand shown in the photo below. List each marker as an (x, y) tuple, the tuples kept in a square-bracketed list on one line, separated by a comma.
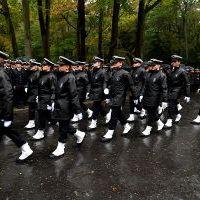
[(36, 99), (106, 91), (80, 116), (107, 101), (164, 105), (7, 123), (135, 101), (51, 107), (87, 95), (140, 98), (187, 99)]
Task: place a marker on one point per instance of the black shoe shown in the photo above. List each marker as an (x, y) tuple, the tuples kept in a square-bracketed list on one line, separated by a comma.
[(35, 140), (143, 136), (196, 123), (91, 129), (52, 156), (18, 161), (103, 139)]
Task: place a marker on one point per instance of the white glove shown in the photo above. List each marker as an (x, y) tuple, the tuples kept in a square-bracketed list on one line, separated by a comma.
[(26, 90), (106, 91), (135, 101), (187, 99), (107, 101), (87, 95), (164, 105), (140, 98), (160, 109), (7, 123), (36, 99), (80, 116), (51, 107), (198, 91)]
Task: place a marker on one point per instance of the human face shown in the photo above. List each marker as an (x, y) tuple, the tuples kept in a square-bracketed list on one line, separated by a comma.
[(18, 66), (154, 67), (63, 68), (136, 64), (80, 67), (117, 64), (97, 64), (1, 60), (175, 63), (46, 68), (34, 68)]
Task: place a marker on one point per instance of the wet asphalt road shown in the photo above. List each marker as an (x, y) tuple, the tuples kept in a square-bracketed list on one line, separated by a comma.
[(162, 166)]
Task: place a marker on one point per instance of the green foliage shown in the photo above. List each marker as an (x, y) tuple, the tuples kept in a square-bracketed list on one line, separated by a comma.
[(163, 29)]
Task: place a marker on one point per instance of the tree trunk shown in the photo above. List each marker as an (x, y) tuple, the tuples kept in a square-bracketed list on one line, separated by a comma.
[(100, 39), (27, 31), (185, 35), (6, 13), (140, 30), (114, 32), (44, 25), (47, 9), (81, 33)]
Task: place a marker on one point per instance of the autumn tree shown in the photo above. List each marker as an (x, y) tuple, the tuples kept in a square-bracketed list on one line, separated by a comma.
[(145, 6), (5, 11), (44, 21)]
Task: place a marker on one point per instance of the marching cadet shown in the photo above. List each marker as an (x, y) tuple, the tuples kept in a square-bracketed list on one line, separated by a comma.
[(197, 119), (20, 82), (120, 81), (98, 90), (177, 82), (82, 84), (46, 95), (107, 69), (138, 75), (6, 113), (66, 101), (155, 92), (32, 92)]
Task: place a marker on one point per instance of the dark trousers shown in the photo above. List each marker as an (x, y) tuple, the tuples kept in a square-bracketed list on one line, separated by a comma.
[(116, 115), (172, 108), (64, 130), (98, 108), (31, 110), (44, 116), (152, 115), (12, 134), (83, 106), (19, 95), (133, 106)]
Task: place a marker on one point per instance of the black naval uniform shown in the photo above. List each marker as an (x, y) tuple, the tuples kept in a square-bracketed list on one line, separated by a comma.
[(98, 84), (138, 75), (82, 83), (46, 95), (33, 93), (66, 100), (120, 81), (155, 92), (20, 82), (6, 109), (177, 81)]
